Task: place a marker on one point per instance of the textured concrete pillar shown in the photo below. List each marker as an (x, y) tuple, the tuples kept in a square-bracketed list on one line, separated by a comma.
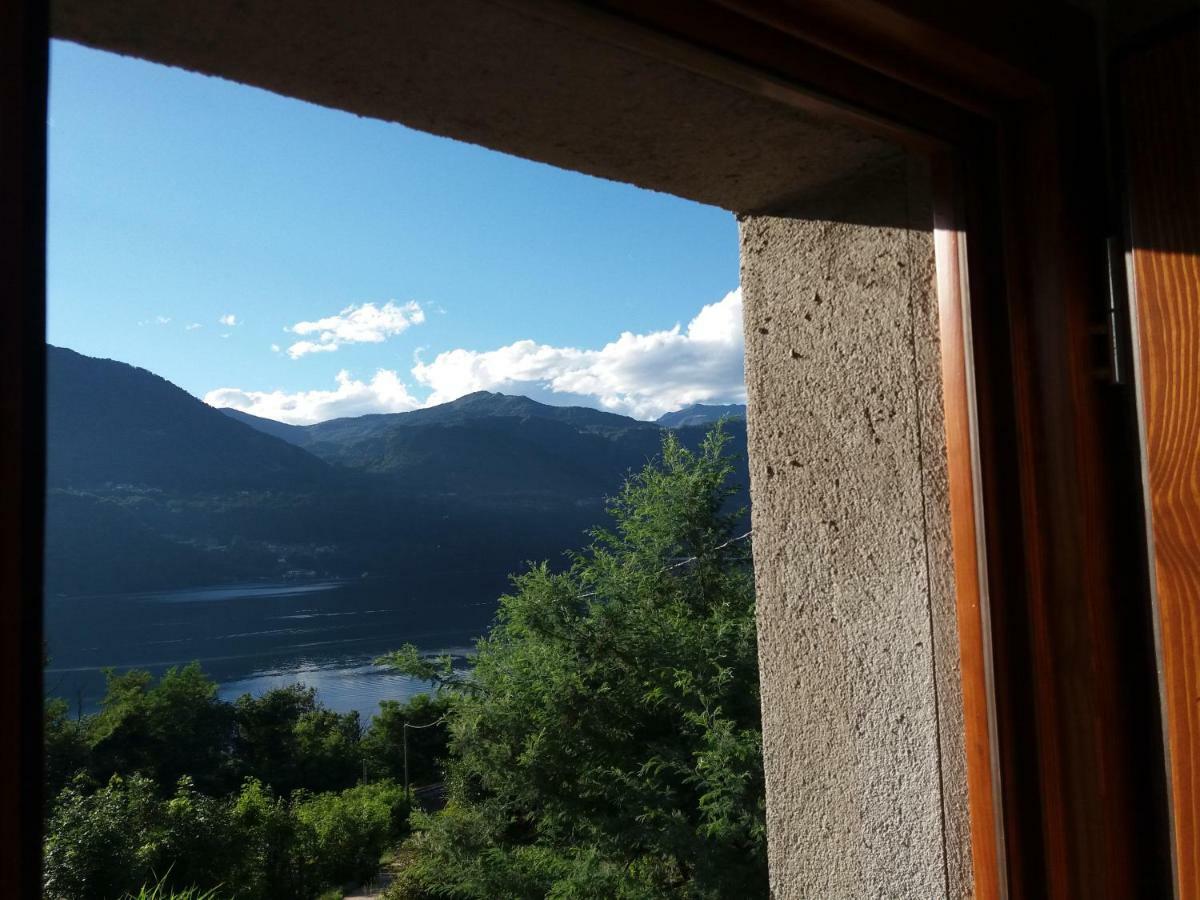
[(862, 713)]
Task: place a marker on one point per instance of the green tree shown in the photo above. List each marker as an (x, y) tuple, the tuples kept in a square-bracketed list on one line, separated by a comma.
[(66, 746), (607, 741), (270, 866), (383, 742), (163, 729), (327, 749), (288, 740)]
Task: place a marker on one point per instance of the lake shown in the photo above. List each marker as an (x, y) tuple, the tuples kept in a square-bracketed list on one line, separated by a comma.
[(257, 636)]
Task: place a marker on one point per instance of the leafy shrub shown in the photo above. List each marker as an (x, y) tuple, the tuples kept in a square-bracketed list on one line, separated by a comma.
[(345, 834), (113, 823), (95, 841), (117, 839)]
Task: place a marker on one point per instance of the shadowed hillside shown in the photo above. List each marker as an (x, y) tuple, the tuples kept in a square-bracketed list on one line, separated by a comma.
[(151, 488)]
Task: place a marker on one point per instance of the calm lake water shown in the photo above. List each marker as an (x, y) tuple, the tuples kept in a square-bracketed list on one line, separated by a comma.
[(254, 637)]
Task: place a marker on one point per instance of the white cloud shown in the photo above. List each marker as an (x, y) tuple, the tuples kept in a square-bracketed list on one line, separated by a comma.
[(274, 348), (157, 320), (229, 319), (385, 392), (643, 375), (356, 324), (193, 326)]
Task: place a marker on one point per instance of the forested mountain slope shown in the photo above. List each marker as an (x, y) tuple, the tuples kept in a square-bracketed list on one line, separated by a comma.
[(151, 488)]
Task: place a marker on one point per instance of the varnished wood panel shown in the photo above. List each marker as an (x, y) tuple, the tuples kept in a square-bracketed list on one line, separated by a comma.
[(974, 633), (1160, 88)]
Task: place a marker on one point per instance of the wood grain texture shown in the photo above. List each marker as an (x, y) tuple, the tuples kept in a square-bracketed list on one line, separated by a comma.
[(1160, 90), (974, 633)]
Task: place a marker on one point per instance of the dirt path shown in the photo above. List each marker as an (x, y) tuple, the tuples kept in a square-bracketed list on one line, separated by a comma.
[(373, 890), (430, 798)]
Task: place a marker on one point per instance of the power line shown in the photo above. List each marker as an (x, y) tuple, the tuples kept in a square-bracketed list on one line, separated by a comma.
[(407, 792), (426, 725)]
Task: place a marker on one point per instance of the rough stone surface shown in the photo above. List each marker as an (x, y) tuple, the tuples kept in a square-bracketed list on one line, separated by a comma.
[(492, 74), (858, 655)]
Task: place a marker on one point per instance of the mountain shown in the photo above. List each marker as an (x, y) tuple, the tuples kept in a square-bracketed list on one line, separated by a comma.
[(149, 488), (485, 445), (293, 434), (701, 414), (109, 423), (470, 408)]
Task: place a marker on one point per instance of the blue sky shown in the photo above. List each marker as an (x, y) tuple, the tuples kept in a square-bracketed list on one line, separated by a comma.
[(178, 200)]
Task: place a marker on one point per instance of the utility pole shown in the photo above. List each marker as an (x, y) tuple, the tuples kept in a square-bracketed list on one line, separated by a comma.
[(407, 798)]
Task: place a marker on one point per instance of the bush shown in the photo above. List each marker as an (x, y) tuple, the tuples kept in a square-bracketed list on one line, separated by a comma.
[(124, 836), (343, 835), (94, 846), (113, 824), (126, 840)]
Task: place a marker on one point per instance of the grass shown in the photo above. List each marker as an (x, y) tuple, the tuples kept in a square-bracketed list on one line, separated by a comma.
[(160, 891)]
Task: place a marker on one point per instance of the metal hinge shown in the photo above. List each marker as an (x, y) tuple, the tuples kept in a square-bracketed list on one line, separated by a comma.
[(1111, 331)]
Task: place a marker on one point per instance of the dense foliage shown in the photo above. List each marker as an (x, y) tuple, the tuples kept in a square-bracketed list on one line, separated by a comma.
[(607, 742), (168, 785)]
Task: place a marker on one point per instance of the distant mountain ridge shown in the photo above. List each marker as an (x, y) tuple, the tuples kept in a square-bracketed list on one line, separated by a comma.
[(701, 414), (484, 443), (151, 488), (483, 404), (468, 408)]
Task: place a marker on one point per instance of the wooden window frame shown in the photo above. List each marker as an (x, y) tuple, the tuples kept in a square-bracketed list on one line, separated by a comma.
[(1060, 698), (1065, 760)]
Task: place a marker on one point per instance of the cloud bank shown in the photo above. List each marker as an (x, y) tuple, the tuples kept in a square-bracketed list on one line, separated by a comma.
[(642, 375), (385, 392), (356, 324)]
